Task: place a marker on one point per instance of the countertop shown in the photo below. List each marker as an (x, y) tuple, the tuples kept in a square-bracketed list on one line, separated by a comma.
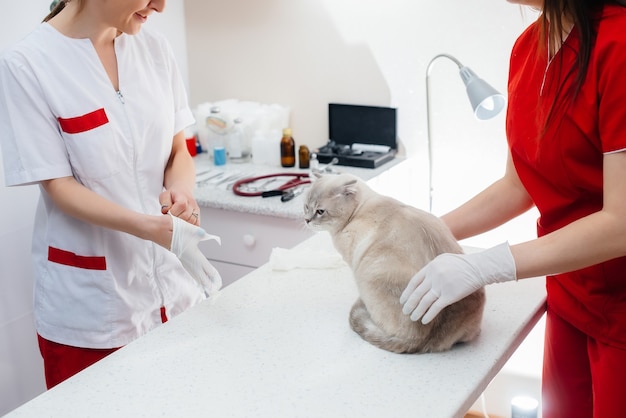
[(278, 344), (214, 193)]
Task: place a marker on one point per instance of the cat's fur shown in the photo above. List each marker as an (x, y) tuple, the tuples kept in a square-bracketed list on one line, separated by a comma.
[(386, 242)]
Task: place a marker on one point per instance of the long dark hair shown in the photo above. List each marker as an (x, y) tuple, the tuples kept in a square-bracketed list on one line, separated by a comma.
[(556, 14)]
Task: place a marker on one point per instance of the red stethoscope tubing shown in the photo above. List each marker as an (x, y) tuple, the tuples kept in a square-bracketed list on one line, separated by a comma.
[(298, 180)]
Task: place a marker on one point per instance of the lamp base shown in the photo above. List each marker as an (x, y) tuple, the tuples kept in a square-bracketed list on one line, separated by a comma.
[(524, 407)]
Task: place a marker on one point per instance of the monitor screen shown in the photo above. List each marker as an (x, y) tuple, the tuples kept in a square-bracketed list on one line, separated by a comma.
[(349, 124)]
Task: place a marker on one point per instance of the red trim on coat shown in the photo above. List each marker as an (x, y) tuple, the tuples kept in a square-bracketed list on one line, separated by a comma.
[(67, 258), (84, 123)]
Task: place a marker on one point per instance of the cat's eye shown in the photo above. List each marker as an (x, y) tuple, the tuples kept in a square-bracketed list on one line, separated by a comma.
[(320, 212)]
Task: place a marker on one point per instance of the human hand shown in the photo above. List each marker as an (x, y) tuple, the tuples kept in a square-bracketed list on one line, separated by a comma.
[(451, 277), (180, 202), (185, 239)]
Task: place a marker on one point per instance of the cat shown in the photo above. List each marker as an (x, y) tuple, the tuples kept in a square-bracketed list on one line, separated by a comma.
[(385, 242)]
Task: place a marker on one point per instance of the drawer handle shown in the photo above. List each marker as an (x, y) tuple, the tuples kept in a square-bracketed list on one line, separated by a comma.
[(249, 240)]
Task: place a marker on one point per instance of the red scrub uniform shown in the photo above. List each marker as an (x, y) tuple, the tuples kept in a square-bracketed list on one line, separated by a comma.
[(560, 164)]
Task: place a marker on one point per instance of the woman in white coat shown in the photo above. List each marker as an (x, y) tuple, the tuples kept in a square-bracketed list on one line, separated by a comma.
[(92, 108)]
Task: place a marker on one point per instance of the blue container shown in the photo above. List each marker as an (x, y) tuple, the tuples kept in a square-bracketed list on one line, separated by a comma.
[(219, 156)]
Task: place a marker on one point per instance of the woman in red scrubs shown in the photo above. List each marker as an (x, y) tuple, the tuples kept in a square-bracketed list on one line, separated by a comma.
[(566, 129)]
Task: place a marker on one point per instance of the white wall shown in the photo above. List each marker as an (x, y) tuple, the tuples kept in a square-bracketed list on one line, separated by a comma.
[(21, 369), (307, 53)]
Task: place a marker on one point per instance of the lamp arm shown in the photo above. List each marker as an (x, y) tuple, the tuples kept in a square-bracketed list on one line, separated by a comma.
[(477, 91), (436, 57), (429, 123)]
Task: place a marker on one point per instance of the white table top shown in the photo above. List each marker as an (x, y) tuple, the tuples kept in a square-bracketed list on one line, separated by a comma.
[(278, 344)]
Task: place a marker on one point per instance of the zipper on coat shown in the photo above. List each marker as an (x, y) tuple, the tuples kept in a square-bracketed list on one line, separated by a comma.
[(122, 100)]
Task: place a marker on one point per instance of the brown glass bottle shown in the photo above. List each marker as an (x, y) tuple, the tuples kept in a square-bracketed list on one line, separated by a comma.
[(287, 149), (303, 156)]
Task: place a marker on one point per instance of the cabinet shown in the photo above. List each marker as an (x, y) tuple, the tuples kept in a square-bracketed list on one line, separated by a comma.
[(247, 239)]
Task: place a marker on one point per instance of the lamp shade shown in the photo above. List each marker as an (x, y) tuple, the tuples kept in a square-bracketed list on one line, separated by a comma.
[(486, 101)]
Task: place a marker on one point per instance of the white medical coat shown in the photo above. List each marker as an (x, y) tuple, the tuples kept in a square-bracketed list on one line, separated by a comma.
[(61, 116)]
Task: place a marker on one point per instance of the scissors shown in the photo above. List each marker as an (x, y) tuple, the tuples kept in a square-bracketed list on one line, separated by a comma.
[(297, 180)]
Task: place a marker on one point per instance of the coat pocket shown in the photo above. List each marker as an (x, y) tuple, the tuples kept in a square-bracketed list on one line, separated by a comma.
[(92, 145), (74, 295)]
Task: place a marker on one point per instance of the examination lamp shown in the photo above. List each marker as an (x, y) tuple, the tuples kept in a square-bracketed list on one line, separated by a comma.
[(486, 102)]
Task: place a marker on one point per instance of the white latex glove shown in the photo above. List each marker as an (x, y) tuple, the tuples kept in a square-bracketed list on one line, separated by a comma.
[(185, 239), (451, 277)]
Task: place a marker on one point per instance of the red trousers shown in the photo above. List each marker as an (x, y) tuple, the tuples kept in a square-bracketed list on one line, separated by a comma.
[(63, 361), (582, 377)]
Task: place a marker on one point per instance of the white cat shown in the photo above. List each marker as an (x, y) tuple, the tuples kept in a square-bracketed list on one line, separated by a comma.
[(386, 242)]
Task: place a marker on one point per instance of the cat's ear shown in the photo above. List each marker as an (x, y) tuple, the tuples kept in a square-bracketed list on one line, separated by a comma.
[(347, 189)]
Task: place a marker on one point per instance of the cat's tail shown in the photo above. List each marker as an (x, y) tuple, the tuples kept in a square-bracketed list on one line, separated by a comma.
[(361, 322)]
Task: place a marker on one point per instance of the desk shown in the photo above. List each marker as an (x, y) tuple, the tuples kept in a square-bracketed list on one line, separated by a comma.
[(278, 344)]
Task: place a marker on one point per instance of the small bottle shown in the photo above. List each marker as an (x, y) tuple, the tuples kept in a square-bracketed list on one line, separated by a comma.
[(314, 163), (234, 146), (303, 156), (218, 126), (287, 149)]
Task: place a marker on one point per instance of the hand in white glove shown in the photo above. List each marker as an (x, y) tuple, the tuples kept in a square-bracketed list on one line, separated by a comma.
[(451, 277), (185, 239)]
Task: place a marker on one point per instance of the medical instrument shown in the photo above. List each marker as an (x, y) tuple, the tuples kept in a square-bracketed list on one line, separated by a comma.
[(208, 175), (290, 194), (232, 176), (243, 187), (327, 169)]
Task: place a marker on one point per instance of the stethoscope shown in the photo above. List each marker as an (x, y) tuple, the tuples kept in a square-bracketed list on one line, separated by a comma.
[(286, 191)]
